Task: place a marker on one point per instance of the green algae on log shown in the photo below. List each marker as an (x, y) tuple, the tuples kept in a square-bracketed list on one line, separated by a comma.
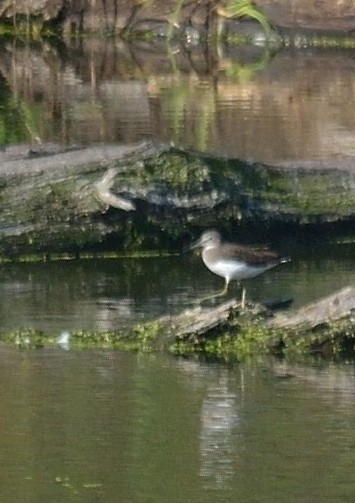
[(325, 328), (146, 196)]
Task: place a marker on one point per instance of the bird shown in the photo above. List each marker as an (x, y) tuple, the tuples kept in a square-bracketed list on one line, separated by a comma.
[(233, 261)]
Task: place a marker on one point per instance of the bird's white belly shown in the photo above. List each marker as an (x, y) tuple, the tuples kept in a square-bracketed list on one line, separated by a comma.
[(235, 270)]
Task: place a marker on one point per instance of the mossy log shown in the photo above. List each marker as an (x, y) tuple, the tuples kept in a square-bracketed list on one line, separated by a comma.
[(148, 195), (57, 200), (324, 327)]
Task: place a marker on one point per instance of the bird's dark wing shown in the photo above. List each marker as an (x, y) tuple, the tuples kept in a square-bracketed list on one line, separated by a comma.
[(253, 257)]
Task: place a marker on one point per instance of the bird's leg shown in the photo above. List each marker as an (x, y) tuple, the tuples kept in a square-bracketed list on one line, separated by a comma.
[(242, 304), (225, 289), (215, 295)]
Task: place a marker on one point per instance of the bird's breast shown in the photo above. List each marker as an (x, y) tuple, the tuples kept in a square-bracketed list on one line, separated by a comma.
[(232, 268)]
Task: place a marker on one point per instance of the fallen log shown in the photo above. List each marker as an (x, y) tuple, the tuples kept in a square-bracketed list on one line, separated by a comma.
[(200, 323), (339, 305), (74, 201), (326, 326)]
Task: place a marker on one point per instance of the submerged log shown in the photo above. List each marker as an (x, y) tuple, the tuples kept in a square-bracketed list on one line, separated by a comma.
[(326, 328)]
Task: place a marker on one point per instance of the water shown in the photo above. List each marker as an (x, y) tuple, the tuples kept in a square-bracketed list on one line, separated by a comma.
[(109, 426), (114, 427), (245, 103), (108, 294)]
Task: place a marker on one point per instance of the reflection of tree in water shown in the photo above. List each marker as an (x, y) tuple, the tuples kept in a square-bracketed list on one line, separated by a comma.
[(219, 421), (17, 119)]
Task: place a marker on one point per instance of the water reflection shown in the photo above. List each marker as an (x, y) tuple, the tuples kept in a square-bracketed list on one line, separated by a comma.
[(111, 426), (219, 423), (333, 382), (248, 104)]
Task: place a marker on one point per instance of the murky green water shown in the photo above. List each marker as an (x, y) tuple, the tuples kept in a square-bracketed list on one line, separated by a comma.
[(110, 426), (114, 293)]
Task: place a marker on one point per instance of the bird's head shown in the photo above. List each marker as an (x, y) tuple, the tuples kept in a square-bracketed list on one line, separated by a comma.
[(208, 238)]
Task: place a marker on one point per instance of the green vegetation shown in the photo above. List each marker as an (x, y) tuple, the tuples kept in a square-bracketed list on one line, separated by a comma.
[(38, 28), (303, 41), (24, 26), (244, 9), (142, 337), (19, 121), (246, 338), (180, 172), (252, 340)]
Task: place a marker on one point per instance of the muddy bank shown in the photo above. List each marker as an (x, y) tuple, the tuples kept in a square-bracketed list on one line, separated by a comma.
[(119, 16), (150, 195)]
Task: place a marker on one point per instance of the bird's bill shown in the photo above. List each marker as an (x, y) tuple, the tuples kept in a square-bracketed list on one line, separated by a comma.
[(195, 244)]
